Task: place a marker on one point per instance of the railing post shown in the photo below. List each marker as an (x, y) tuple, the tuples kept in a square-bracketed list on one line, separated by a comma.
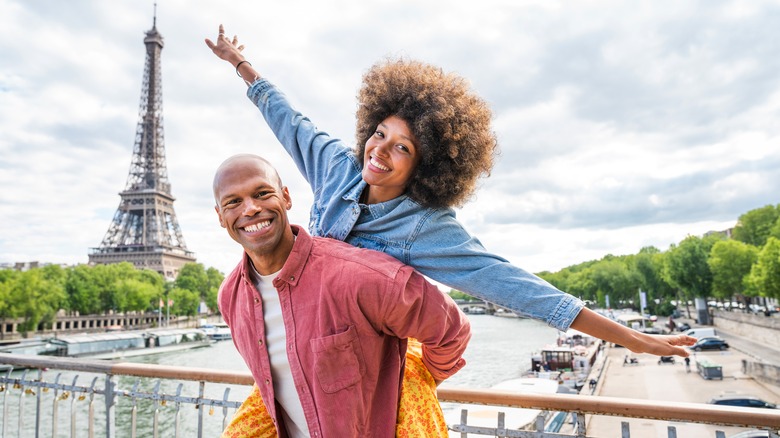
[(5, 389), (38, 400), (20, 425), (579, 418), (201, 395), (73, 409), (176, 414), (225, 409), (109, 395), (625, 431), (156, 419), (91, 410), (54, 412), (134, 410)]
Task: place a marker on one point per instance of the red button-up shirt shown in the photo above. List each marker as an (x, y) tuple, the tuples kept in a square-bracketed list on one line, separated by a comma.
[(347, 313)]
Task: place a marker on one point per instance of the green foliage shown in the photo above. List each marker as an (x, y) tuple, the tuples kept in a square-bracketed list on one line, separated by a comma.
[(185, 302), (730, 262), (755, 226), (35, 296), (193, 277), (765, 275), (215, 280), (686, 267)]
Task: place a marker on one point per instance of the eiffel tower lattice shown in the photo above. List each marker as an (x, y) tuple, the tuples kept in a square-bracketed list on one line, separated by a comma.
[(145, 230)]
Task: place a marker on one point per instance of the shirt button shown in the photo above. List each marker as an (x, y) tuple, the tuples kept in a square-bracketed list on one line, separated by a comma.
[(267, 382), (257, 300), (292, 278), (260, 341)]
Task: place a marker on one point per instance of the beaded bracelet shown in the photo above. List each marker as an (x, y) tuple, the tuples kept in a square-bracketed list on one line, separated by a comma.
[(239, 65)]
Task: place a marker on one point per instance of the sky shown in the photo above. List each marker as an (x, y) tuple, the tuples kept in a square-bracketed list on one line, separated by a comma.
[(620, 124)]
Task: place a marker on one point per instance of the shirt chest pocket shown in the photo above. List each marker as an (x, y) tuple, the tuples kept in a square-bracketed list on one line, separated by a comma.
[(339, 360)]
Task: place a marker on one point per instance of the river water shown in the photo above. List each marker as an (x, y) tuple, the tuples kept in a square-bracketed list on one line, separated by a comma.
[(500, 349)]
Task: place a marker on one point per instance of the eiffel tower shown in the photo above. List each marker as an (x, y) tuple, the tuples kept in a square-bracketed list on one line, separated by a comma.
[(145, 231)]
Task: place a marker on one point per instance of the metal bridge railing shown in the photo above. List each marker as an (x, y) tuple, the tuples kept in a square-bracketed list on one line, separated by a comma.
[(121, 399)]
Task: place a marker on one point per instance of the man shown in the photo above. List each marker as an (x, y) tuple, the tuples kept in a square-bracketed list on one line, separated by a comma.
[(321, 324)]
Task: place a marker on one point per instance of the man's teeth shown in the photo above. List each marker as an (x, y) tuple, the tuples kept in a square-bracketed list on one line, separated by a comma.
[(257, 227), (378, 165)]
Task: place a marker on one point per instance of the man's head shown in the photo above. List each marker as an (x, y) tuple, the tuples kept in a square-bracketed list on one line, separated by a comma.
[(252, 205)]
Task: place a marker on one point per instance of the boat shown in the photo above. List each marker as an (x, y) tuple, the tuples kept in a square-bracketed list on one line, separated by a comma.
[(218, 332), (568, 361), (514, 418), (115, 345)]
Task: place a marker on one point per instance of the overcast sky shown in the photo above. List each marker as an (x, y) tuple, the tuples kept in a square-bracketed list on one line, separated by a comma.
[(621, 124)]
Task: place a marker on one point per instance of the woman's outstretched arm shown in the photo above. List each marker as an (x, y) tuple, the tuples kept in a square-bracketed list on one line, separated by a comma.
[(590, 322)]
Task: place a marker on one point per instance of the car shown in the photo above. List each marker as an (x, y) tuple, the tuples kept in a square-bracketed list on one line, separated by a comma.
[(754, 433), (742, 400), (684, 327), (710, 343)]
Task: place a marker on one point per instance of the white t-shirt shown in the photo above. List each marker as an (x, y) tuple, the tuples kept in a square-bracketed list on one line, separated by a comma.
[(276, 343)]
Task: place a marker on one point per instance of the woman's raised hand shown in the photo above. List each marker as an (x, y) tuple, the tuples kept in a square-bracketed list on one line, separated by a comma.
[(225, 48)]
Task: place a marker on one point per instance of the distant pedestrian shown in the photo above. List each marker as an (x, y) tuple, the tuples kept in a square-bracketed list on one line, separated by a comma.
[(592, 384), (687, 364)]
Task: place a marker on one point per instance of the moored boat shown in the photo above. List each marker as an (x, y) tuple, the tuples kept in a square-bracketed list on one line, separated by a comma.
[(218, 331)]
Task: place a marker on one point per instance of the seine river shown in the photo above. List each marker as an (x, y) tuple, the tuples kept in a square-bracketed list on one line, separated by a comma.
[(500, 349)]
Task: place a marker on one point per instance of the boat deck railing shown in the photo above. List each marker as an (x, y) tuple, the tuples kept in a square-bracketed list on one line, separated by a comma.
[(134, 399)]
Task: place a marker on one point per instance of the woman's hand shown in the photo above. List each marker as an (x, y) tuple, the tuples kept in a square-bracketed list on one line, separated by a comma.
[(225, 48)]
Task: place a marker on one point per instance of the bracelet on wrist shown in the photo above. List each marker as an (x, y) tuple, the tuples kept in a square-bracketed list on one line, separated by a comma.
[(239, 65)]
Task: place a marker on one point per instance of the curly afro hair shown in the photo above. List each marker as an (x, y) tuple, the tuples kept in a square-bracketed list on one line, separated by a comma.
[(451, 124)]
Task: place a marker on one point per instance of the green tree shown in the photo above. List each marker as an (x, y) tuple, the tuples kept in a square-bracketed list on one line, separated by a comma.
[(730, 262), (649, 266), (686, 267), (138, 295), (215, 280), (185, 302), (612, 277), (35, 299), (82, 291), (193, 277), (755, 226), (765, 274)]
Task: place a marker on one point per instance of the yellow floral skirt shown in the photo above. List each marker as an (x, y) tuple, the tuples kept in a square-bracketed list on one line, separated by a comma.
[(419, 411)]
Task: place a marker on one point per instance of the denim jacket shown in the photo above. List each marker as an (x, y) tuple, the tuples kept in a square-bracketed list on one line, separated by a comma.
[(430, 240)]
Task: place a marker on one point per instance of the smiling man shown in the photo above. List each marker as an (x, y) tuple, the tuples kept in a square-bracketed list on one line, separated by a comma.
[(323, 325)]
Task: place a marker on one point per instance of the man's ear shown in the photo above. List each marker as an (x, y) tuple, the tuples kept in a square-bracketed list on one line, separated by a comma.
[(221, 221), (287, 199)]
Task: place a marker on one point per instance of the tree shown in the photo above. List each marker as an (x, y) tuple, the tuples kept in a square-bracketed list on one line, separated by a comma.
[(215, 280), (612, 277), (755, 226), (82, 291), (35, 299), (185, 302), (686, 267), (730, 263), (765, 274), (193, 277)]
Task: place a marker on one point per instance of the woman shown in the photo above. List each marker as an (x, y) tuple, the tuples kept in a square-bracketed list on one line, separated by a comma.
[(423, 141)]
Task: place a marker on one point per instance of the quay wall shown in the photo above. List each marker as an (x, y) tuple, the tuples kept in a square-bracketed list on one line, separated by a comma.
[(73, 324), (756, 327)]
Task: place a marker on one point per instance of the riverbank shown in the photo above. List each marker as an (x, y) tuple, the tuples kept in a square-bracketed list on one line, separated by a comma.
[(650, 380)]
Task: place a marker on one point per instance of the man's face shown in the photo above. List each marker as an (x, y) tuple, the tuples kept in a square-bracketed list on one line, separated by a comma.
[(252, 206)]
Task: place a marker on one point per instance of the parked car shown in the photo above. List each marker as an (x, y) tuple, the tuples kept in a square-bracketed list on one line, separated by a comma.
[(684, 327), (742, 400), (701, 332), (710, 343), (754, 433)]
